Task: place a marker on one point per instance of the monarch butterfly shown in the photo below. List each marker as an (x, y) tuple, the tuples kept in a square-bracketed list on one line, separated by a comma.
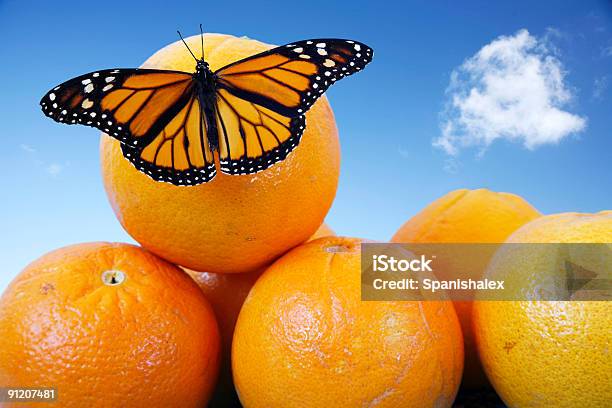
[(172, 124)]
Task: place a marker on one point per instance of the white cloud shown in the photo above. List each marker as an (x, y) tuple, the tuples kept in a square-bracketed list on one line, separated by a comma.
[(600, 85), (405, 153), (54, 169), (452, 165), (27, 148), (51, 168), (606, 51), (513, 88)]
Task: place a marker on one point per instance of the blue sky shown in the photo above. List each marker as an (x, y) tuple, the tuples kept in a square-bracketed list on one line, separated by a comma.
[(389, 116)]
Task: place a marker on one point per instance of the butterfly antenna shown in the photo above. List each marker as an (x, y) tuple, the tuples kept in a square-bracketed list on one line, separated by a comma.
[(202, 39), (189, 49)]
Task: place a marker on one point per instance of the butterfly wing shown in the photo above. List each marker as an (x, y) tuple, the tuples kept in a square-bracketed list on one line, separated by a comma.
[(154, 113), (251, 136), (262, 99), (179, 153), (290, 78), (260, 106)]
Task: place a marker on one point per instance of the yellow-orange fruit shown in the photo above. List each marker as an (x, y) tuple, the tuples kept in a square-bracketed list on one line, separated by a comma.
[(468, 216), (548, 353), (304, 338), (232, 223), (226, 294), (109, 325), (323, 231)]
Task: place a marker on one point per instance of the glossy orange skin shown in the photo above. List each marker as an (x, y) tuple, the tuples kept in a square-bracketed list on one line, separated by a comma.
[(232, 223), (304, 338), (226, 293), (549, 354), (468, 216), (150, 341)]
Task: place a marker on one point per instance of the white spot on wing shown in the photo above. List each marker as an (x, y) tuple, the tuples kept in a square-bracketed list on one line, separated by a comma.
[(329, 63)]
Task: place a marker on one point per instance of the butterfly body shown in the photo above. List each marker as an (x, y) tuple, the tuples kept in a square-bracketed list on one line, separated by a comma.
[(178, 127), (206, 84)]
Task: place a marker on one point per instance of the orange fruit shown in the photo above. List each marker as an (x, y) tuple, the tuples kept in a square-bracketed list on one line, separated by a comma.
[(477, 216), (468, 216), (109, 325), (323, 231), (305, 338), (226, 294), (257, 216), (548, 353)]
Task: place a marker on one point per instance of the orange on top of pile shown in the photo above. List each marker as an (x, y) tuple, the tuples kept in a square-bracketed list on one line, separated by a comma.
[(232, 223)]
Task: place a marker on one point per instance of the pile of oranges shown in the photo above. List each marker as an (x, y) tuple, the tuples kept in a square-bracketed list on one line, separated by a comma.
[(239, 294)]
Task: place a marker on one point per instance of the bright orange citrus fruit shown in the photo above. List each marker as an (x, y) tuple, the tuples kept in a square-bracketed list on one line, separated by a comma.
[(323, 231), (468, 216), (305, 338), (233, 223), (541, 354), (226, 293), (109, 325)]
